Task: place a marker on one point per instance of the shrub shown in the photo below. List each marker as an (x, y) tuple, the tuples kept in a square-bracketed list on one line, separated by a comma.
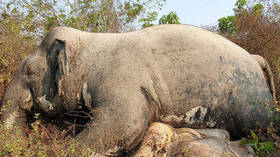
[(41, 140)]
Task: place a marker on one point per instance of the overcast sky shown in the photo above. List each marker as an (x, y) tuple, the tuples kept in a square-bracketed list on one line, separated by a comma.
[(199, 12)]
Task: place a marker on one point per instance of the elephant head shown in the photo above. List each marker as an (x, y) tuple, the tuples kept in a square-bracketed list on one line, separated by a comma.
[(40, 81)]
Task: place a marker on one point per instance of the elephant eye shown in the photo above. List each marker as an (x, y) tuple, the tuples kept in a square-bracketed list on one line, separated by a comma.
[(29, 70)]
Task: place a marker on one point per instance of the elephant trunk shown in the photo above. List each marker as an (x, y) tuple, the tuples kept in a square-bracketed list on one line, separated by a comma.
[(16, 102)]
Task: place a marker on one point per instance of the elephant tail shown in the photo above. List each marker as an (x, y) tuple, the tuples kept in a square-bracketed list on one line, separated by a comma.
[(268, 74)]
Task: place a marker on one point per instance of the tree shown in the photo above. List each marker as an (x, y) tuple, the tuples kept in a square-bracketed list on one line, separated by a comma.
[(89, 15), (170, 18), (227, 25), (148, 20)]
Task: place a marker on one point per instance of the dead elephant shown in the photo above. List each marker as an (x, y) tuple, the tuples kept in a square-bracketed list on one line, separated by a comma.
[(181, 75)]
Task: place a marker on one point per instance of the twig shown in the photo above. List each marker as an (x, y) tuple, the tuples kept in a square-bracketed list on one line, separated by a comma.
[(72, 7)]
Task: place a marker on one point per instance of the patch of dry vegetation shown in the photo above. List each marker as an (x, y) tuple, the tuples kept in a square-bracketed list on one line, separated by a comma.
[(14, 47), (41, 140)]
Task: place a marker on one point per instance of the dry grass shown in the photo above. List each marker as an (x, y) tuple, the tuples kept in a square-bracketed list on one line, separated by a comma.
[(13, 49), (42, 139)]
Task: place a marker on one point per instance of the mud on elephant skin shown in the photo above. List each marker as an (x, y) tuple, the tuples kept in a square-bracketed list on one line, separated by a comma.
[(177, 74)]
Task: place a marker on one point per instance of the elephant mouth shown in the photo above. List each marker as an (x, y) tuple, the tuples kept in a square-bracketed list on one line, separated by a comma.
[(51, 100), (72, 121), (45, 104)]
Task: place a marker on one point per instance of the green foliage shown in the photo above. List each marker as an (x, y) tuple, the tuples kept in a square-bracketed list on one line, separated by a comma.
[(171, 18), (147, 21), (227, 25), (239, 6), (259, 147), (258, 9), (88, 15)]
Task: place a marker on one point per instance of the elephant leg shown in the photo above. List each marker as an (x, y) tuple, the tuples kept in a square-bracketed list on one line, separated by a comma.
[(121, 121)]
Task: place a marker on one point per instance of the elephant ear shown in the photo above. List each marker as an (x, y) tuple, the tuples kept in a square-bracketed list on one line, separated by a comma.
[(62, 55)]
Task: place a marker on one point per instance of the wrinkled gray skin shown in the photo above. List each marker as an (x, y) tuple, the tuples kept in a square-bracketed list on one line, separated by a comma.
[(177, 74)]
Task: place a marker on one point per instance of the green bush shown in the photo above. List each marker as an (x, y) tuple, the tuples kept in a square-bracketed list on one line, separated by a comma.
[(260, 148)]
